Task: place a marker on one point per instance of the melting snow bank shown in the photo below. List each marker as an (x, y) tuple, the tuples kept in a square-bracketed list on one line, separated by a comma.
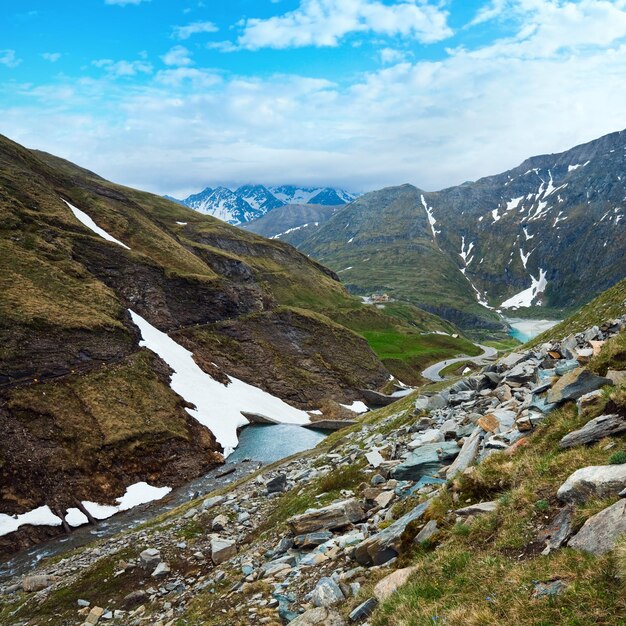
[(84, 219), (529, 296), (357, 407), (218, 406), (139, 493)]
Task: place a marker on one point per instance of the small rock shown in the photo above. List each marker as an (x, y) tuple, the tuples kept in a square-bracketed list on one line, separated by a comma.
[(222, 550), (94, 615), (596, 481), (326, 593), (277, 484), (220, 522), (364, 610), (429, 530), (162, 570), (150, 557), (390, 584), (548, 589), (319, 617), (600, 532), (477, 509), (38, 582)]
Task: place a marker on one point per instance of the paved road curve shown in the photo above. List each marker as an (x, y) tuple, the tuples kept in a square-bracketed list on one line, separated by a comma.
[(432, 372)]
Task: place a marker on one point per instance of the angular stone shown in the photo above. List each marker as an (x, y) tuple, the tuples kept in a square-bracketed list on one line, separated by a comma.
[(427, 460), (467, 455), (222, 550), (548, 589), (364, 610), (617, 376), (150, 557), (387, 544), (276, 484), (94, 615), (558, 531), (429, 530), (432, 435), (330, 517), (220, 522), (566, 366), (512, 359), (37, 582), (310, 540), (374, 458), (600, 532), (326, 593), (593, 402), (390, 584), (384, 499), (575, 384), (488, 423), (319, 617), (594, 430), (477, 509), (161, 570), (522, 373), (595, 481)]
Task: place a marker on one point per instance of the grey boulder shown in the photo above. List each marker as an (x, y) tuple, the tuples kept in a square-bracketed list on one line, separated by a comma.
[(595, 481), (600, 532)]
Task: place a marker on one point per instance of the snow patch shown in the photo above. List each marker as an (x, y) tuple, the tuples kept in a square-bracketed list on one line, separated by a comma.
[(84, 219), (357, 407), (528, 296), (514, 203), (495, 215), (41, 516), (431, 220), (182, 223), (218, 406)]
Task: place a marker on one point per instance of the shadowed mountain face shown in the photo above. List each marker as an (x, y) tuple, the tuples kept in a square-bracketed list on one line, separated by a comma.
[(549, 233), (84, 410)]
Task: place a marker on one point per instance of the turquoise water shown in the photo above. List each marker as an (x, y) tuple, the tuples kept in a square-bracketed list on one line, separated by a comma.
[(271, 443), (525, 330)]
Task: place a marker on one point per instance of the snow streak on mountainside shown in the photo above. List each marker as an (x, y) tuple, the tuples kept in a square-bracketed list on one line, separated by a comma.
[(250, 202), (549, 233)]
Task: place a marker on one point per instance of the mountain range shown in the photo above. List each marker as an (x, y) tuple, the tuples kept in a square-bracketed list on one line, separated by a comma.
[(546, 236), (250, 202)]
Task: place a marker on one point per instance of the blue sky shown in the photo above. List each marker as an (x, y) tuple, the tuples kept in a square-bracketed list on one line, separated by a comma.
[(172, 96)]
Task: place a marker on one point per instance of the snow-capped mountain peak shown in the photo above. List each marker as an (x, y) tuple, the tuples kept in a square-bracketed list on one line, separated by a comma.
[(249, 202)]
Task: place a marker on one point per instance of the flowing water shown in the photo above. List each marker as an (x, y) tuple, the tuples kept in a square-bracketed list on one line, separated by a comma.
[(258, 445)]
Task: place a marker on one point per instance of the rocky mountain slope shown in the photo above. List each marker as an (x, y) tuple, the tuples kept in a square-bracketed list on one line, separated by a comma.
[(251, 202), (292, 223), (549, 233), (88, 269), (498, 499)]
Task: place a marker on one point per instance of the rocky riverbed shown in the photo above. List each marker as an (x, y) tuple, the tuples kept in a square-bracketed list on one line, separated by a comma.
[(319, 538)]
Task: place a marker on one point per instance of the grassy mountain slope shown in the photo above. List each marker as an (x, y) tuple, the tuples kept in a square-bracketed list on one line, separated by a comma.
[(84, 411), (383, 242), (556, 221)]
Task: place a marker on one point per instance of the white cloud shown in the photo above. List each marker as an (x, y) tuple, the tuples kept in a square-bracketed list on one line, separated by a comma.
[(53, 57), (9, 58), (325, 22), (184, 32), (557, 83), (178, 56), (123, 68), (391, 55), (489, 11)]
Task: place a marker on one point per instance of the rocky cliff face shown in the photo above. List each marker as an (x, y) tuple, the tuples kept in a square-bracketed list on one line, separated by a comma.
[(549, 233), (84, 410)]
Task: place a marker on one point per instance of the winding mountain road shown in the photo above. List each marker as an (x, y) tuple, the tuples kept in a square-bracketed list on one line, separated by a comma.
[(432, 371)]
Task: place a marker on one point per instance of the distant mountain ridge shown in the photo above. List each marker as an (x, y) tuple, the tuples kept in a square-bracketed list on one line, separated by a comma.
[(250, 202), (549, 233)]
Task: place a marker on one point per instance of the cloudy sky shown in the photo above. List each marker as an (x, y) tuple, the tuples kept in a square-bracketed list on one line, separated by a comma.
[(175, 95)]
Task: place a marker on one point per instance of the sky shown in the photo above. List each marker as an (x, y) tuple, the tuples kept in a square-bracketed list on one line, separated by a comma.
[(172, 96)]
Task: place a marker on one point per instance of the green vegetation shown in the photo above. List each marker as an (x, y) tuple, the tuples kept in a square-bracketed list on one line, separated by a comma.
[(406, 354)]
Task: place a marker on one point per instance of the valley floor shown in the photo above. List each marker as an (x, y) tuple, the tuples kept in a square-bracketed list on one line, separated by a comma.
[(461, 504)]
